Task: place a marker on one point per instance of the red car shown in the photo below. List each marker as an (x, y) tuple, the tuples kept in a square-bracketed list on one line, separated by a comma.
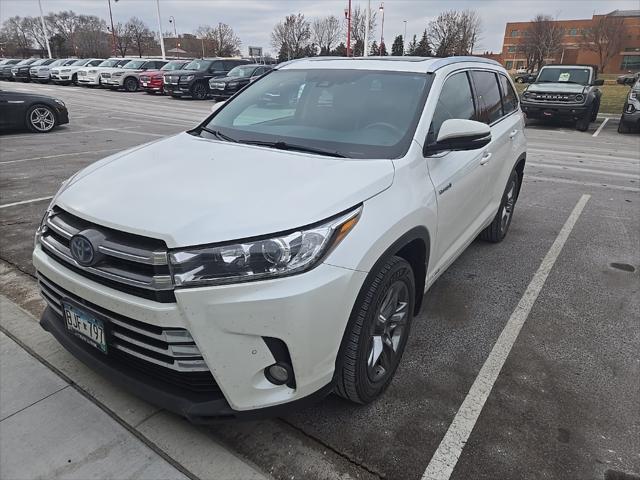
[(151, 81)]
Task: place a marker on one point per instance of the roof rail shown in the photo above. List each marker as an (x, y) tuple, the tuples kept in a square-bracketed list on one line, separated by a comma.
[(443, 62)]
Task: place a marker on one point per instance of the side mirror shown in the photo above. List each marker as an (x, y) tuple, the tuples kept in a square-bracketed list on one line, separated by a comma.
[(217, 105), (459, 135), (599, 82)]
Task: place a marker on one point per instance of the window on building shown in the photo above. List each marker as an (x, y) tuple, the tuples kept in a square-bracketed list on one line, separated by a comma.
[(508, 65), (630, 62), (573, 32), (514, 33), (520, 64), (511, 49)]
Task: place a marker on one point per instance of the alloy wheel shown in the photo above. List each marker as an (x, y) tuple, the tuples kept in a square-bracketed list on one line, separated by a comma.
[(507, 207), (388, 329), (42, 119)]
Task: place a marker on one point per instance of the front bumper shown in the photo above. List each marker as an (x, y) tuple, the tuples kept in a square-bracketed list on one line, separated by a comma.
[(554, 110), (177, 90), (229, 324), (89, 79), (630, 117), (113, 82)]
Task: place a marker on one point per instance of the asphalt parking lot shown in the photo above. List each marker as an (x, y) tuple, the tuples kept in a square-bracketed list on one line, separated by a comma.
[(566, 403)]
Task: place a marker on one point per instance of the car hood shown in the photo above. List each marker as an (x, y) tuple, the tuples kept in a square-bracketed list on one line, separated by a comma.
[(152, 73), (558, 87), (187, 190)]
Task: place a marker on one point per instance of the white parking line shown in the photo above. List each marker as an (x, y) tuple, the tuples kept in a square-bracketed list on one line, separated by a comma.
[(56, 133), (603, 173), (446, 457), (584, 184), (40, 199), (61, 155), (597, 132)]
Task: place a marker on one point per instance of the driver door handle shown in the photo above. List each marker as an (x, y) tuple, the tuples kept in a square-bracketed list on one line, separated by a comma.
[(513, 134), (485, 158)]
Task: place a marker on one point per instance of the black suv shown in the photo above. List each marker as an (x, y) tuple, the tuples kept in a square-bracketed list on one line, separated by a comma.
[(21, 72), (193, 81), (224, 87), (564, 91), (6, 69)]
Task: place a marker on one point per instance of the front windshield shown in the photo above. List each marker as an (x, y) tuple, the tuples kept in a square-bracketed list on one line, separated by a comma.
[(38, 62), (175, 65), (241, 72), (198, 65), (81, 62), (133, 64), (57, 62), (109, 63), (565, 75), (353, 113)]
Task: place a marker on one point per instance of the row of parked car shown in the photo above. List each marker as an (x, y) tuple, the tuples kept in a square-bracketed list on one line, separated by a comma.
[(217, 78)]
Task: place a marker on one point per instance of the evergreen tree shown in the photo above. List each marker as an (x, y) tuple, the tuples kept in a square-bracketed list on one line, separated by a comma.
[(423, 48), (383, 50), (375, 51), (413, 44), (358, 48), (398, 46), (340, 50)]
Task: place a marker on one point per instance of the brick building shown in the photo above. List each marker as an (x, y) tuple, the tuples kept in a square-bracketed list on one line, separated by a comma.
[(571, 50)]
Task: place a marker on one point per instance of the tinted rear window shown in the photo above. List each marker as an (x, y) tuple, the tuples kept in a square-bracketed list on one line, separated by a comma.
[(488, 96)]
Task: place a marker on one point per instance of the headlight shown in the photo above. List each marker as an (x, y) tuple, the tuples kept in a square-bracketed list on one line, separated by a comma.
[(277, 256), (93, 71), (59, 102), (232, 84), (579, 98), (117, 74), (633, 95), (66, 70), (526, 94), (187, 78)]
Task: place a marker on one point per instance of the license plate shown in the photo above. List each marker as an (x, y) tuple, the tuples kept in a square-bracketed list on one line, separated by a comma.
[(144, 84), (85, 326)]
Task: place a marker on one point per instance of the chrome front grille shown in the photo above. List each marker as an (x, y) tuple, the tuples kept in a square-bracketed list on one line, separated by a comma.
[(171, 79), (130, 263), (170, 348), (555, 97)]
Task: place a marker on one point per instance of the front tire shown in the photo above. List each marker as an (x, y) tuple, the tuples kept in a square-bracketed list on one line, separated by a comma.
[(377, 333), (519, 80), (131, 84), (582, 125), (624, 127), (199, 91), (41, 119), (498, 228)]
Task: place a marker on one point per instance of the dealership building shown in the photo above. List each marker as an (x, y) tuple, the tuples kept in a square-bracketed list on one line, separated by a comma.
[(572, 50)]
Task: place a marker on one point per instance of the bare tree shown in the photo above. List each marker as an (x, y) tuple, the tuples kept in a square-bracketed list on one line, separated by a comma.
[(32, 27), (17, 38), (221, 40), (291, 37), (326, 32), (358, 24), (542, 40), (124, 38), (65, 24), (455, 32), (141, 36), (91, 37), (604, 38)]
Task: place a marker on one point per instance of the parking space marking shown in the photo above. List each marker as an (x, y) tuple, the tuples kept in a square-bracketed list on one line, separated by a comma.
[(597, 132), (56, 133), (33, 200), (584, 184), (62, 155), (448, 452), (604, 173)]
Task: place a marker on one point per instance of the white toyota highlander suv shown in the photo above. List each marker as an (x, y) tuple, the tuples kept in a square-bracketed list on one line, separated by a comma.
[(280, 250)]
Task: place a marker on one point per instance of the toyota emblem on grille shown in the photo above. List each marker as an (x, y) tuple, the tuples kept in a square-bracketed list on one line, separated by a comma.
[(82, 250)]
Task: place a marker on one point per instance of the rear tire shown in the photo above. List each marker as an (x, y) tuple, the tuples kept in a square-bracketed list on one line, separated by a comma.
[(498, 228), (377, 332)]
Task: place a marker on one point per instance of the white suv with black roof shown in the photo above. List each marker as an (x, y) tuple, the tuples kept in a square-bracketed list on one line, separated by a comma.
[(280, 250)]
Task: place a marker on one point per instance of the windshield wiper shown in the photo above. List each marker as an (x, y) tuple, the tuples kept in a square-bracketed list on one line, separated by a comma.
[(299, 148), (218, 134)]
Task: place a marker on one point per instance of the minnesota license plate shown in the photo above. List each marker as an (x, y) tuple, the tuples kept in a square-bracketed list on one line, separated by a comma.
[(85, 326)]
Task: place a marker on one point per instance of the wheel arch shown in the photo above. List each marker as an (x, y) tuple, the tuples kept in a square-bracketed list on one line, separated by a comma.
[(519, 168)]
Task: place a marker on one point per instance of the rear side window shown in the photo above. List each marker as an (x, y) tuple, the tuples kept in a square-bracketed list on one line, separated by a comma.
[(95, 63), (217, 66), (455, 101), (488, 95), (509, 97)]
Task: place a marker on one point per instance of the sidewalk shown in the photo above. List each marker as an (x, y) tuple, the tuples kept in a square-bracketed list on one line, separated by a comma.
[(52, 429)]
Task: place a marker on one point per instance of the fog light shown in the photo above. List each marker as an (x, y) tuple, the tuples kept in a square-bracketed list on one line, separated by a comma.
[(278, 373)]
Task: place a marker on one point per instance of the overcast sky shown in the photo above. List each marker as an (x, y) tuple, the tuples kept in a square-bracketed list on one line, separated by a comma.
[(253, 20)]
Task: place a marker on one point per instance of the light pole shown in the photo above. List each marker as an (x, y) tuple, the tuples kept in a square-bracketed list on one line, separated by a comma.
[(404, 39), (382, 27), (347, 13), (113, 32), (44, 30), (164, 57), (172, 20), (367, 21)]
